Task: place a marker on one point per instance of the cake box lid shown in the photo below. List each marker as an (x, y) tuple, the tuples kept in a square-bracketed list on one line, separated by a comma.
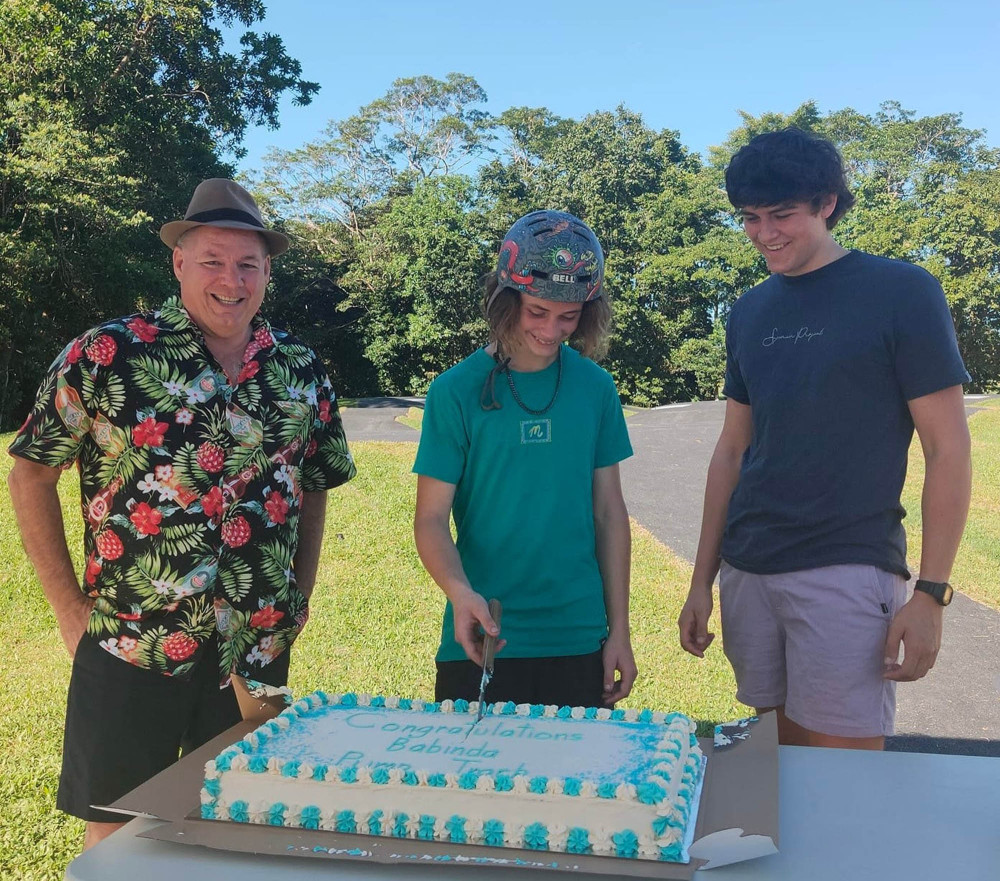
[(737, 819)]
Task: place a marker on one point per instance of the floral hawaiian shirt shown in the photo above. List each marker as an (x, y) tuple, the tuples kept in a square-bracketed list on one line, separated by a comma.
[(191, 486)]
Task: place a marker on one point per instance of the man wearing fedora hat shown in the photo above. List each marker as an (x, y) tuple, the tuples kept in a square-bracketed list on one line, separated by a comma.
[(206, 441)]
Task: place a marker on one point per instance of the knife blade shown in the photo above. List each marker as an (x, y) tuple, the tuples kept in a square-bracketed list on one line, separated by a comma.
[(489, 650)]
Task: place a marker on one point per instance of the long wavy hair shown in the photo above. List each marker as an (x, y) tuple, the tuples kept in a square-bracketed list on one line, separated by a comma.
[(502, 311)]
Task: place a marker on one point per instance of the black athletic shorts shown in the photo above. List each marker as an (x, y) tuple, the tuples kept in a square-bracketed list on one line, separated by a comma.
[(125, 724), (567, 681)]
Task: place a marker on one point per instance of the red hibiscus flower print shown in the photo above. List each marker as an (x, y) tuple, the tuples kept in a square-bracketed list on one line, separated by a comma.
[(109, 545), (276, 506), (149, 433), (324, 411), (266, 617), (102, 350), (236, 532), (146, 519), (211, 457), (142, 329), (249, 371), (311, 448), (212, 504), (179, 646)]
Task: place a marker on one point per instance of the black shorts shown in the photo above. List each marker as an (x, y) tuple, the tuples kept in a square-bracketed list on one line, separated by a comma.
[(567, 681), (125, 724)]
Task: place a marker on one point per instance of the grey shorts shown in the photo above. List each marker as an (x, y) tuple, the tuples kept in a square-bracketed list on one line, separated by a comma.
[(813, 641)]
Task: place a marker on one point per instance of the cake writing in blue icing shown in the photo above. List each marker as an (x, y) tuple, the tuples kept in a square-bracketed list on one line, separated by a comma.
[(582, 781)]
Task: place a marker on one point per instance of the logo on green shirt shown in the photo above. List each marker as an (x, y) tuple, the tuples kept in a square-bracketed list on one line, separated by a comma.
[(536, 431)]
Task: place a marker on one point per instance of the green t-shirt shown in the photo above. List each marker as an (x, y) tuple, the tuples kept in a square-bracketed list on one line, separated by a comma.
[(523, 502)]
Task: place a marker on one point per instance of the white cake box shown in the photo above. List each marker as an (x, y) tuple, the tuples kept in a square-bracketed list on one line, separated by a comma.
[(737, 819)]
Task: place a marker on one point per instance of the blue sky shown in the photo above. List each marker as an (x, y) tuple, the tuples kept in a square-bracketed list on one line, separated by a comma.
[(688, 66)]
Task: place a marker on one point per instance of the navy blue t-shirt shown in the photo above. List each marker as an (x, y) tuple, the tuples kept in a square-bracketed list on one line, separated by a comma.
[(827, 362)]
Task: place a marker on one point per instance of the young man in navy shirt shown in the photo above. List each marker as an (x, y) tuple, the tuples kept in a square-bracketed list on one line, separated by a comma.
[(831, 363)]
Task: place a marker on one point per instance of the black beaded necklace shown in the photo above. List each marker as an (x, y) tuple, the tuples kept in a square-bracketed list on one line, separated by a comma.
[(488, 396), (552, 400)]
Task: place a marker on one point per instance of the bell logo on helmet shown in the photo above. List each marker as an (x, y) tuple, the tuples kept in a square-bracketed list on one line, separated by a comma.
[(562, 278)]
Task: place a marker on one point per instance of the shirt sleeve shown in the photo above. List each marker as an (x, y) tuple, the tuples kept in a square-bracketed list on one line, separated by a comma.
[(328, 461), (926, 352), (734, 386), (613, 442), (444, 442), (62, 416)]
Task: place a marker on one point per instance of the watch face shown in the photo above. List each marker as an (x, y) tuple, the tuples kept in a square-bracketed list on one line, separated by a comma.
[(946, 595)]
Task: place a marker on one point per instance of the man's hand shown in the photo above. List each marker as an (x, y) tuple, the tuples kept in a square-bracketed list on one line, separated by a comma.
[(72, 618), (917, 626), (472, 617), (618, 658), (693, 621)]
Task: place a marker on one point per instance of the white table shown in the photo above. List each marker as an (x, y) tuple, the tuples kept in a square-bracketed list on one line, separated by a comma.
[(845, 816)]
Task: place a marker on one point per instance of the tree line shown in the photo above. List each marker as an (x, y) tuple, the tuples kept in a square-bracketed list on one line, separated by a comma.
[(113, 110)]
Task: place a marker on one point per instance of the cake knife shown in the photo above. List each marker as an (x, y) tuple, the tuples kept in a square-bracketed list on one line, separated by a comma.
[(489, 648)]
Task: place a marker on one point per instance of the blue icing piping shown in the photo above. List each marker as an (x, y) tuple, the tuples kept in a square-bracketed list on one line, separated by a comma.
[(468, 780), (239, 812), (571, 786), (617, 715), (436, 780), (650, 793), (410, 778), (564, 712), (405, 703), (319, 772), (456, 829), (536, 836), (509, 709), (578, 840), (276, 814), (257, 765), (399, 827), (434, 707), (380, 776), (349, 774), (208, 812), (310, 817), (349, 700), (291, 769), (606, 790), (626, 844), (493, 833), (378, 701), (375, 823), (425, 829), (212, 787), (536, 711), (461, 705), (538, 784), (345, 822), (503, 782)]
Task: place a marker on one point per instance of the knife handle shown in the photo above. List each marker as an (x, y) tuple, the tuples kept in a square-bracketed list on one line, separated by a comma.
[(490, 642)]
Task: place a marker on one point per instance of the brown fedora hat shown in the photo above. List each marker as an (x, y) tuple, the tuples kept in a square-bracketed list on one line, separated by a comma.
[(222, 202)]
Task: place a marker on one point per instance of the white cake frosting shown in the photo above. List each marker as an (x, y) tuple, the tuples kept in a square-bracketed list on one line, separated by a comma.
[(619, 782)]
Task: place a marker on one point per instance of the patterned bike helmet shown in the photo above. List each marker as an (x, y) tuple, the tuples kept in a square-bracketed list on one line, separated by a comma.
[(551, 255)]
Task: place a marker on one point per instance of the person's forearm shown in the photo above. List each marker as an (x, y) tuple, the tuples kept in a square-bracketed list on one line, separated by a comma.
[(39, 518), (614, 552), (440, 557), (944, 508), (723, 475), (312, 518)]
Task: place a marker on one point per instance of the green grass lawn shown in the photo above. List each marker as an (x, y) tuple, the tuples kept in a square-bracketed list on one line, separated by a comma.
[(374, 627)]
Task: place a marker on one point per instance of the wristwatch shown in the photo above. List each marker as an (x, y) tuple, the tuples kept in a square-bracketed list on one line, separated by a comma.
[(940, 590)]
